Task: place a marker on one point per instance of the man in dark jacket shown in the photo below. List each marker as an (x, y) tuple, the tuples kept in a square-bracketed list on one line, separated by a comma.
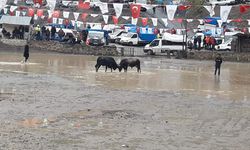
[(26, 53), (218, 61)]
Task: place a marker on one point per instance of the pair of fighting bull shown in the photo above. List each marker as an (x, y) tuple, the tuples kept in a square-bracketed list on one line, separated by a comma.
[(109, 62)]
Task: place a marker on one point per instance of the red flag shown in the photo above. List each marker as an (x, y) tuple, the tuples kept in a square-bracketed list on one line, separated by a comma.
[(84, 16), (244, 8), (49, 20), (135, 10), (83, 5), (115, 19), (144, 21), (56, 14), (39, 12), (31, 12), (66, 21), (38, 1), (179, 20), (183, 7), (237, 20), (12, 13)]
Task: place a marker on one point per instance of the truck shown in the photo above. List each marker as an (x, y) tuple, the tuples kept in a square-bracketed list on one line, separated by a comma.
[(169, 43)]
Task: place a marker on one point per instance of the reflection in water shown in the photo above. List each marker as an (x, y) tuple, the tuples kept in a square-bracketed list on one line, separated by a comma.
[(157, 74)]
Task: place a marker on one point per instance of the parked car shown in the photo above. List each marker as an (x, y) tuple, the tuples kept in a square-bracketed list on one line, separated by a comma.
[(118, 39), (95, 38), (115, 35)]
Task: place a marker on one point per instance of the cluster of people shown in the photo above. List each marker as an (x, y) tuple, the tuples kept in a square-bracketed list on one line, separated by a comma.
[(17, 33), (209, 42)]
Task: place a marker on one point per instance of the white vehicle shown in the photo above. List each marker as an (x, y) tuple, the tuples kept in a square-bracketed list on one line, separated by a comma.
[(130, 39), (163, 46), (115, 35), (118, 38), (221, 2), (224, 46), (70, 4), (95, 38)]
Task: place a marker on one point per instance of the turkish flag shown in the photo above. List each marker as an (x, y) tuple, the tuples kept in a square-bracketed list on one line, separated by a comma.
[(237, 20), (39, 12), (115, 19), (66, 21), (56, 14), (83, 5), (38, 1), (135, 10), (84, 16), (144, 21), (183, 7), (244, 8), (31, 12)]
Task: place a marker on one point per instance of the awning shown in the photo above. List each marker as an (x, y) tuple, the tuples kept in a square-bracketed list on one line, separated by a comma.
[(15, 20)]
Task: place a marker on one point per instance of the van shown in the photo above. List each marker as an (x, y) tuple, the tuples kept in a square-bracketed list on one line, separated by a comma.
[(225, 45), (163, 46), (222, 2), (95, 38)]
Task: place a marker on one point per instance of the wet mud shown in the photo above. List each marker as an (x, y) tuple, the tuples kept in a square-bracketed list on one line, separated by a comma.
[(59, 102)]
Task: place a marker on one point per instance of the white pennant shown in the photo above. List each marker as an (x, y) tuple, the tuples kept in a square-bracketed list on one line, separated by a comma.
[(60, 21), (18, 13), (248, 22), (154, 20), (171, 9), (210, 9), (201, 21), (35, 17), (65, 14), (51, 4), (15, 2), (13, 8), (118, 9), (161, 31), (105, 18), (5, 10), (94, 15), (134, 21), (55, 20), (23, 13), (76, 15), (73, 22), (49, 13), (103, 7), (125, 17), (79, 23), (249, 29), (165, 21), (190, 20), (219, 23), (224, 12)]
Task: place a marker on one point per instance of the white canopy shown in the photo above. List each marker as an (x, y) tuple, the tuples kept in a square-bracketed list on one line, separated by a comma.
[(15, 20)]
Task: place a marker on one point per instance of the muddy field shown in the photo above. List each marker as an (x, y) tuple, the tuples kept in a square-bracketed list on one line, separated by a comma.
[(58, 101)]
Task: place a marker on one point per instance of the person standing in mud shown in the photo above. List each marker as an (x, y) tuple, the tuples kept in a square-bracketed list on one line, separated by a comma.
[(218, 61), (26, 53)]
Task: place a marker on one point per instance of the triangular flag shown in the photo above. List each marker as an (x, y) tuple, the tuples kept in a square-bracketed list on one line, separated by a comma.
[(165, 21), (55, 20), (134, 21), (73, 22), (17, 13), (2, 3), (118, 9), (210, 9), (35, 17), (13, 8), (79, 24), (49, 13), (190, 20), (103, 7), (154, 20), (244, 8), (94, 15), (224, 12), (31, 12), (105, 18), (125, 17), (249, 29), (23, 13), (56, 14), (219, 23), (60, 21), (5, 10), (76, 15), (248, 22), (201, 21), (171, 9), (161, 31), (229, 20), (65, 14), (83, 5)]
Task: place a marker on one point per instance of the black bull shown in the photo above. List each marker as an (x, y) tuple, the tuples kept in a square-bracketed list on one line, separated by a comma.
[(108, 62), (130, 62)]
